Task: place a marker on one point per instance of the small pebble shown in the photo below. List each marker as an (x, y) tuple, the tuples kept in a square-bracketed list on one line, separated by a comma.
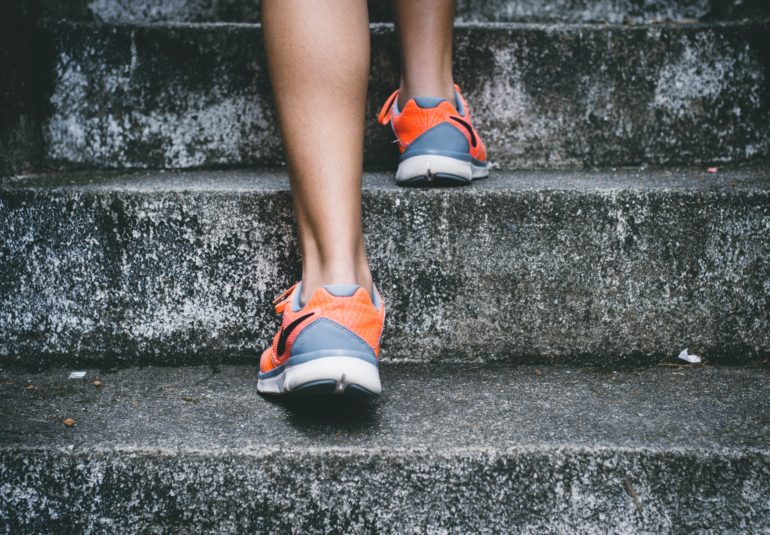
[(69, 422)]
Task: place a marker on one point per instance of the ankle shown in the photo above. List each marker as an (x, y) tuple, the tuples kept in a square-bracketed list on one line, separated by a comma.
[(313, 278), (439, 88)]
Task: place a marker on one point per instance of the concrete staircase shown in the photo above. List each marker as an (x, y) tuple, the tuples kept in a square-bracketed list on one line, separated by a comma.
[(528, 360), (446, 450)]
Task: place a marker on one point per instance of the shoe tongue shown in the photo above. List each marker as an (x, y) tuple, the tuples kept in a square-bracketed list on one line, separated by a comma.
[(341, 290), (428, 102), (431, 102)]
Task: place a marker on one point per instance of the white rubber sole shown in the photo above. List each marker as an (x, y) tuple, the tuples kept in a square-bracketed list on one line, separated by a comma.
[(325, 375), (433, 169)]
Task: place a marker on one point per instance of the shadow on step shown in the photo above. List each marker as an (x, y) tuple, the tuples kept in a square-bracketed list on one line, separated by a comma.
[(330, 414)]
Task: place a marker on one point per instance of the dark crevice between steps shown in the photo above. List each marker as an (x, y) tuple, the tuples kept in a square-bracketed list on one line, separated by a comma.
[(739, 356)]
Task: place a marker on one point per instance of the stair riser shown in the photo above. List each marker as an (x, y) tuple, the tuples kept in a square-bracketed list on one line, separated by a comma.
[(20, 141), (587, 277), (407, 492), (467, 10), (190, 96)]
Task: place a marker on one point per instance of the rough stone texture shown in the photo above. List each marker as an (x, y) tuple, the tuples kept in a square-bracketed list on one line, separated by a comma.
[(608, 268), (740, 9), (182, 96), (613, 11), (445, 450), (467, 10), (20, 141), (160, 96)]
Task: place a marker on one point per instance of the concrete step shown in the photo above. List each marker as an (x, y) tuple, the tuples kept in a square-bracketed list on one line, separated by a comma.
[(472, 449), (615, 11), (183, 96), (603, 267)]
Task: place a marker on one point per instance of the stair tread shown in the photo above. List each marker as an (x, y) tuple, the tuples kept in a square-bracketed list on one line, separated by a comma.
[(429, 408), (268, 180)]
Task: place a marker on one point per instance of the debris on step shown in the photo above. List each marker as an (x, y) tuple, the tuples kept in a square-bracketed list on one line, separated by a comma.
[(712, 170), (632, 492), (69, 422), (77, 374), (689, 357)]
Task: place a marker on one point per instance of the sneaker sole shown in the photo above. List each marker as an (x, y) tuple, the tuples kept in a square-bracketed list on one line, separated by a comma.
[(330, 375), (433, 170)]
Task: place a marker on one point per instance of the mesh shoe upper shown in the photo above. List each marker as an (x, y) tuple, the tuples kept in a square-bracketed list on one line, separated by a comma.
[(421, 116), (351, 319)]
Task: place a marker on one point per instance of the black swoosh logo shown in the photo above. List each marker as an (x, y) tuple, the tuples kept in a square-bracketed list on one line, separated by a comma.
[(286, 332), (467, 127)]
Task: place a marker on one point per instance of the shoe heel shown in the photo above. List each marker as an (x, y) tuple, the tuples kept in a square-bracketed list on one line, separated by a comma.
[(434, 170), (338, 374)]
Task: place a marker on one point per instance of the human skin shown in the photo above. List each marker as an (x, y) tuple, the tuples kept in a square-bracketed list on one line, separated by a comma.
[(318, 57)]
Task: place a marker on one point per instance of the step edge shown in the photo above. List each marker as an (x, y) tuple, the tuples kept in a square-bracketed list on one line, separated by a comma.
[(389, 27), (721, 451)]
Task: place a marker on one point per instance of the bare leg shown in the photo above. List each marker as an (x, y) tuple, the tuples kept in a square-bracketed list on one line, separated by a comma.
[(318, 55), (425, 34)]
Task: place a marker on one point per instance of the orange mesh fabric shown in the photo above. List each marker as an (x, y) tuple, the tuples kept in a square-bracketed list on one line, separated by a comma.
[(355, 312), (413, 121)]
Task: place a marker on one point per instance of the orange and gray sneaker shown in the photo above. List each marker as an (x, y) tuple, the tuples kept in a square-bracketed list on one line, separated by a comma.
[(436, 140), (329, 345)]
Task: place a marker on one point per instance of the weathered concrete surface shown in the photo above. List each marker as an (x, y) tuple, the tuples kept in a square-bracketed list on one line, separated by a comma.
[(20, 140), (445, 450), (182, 96), (599, 267), (467, 10), (740, 9)]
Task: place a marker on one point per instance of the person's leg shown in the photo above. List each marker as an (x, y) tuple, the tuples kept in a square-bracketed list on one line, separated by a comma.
[(425, 34), (437, 142), (318, 56)]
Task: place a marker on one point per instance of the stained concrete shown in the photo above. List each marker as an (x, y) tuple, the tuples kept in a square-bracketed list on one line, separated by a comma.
[(471, 449), (185, 96), (614, 11), (605, 267)]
